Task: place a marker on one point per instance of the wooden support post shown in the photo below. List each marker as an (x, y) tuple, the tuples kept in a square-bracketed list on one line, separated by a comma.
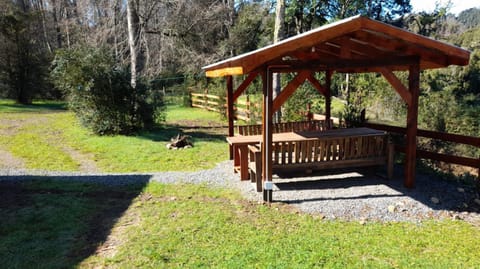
[(328, 96), (230, 111), (267, 135), (412, 115)]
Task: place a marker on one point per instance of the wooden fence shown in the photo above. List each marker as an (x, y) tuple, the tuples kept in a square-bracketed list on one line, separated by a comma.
[(455, 138), (207, 101), (244, 109), (247, 110)]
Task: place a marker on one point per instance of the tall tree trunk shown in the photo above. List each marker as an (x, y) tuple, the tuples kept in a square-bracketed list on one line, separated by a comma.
[(133, 20), (56, 24), (116, 12), (278, 34), (41, 8), (67, 27)]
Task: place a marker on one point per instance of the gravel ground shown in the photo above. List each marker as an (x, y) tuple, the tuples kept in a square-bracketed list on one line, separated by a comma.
[(346, 195)]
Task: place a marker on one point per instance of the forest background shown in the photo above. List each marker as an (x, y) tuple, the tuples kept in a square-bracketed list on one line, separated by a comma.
[(165, 43)]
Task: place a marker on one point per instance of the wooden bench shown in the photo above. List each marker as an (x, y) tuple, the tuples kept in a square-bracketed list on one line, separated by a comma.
[(323, 153), (284, 127)]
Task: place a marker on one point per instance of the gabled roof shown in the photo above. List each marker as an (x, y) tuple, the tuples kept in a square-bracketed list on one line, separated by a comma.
[(355, 44)]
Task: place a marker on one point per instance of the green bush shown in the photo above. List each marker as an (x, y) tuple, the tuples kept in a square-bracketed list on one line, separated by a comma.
[(99, 92)]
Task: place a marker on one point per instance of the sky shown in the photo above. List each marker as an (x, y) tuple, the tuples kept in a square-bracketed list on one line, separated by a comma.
[(458, 5)]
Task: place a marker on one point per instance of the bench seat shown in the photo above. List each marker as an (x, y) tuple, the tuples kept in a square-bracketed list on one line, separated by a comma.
[(319, 154)]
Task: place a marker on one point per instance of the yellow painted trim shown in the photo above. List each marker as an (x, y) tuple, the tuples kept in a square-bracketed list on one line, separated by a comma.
[(227, 71)]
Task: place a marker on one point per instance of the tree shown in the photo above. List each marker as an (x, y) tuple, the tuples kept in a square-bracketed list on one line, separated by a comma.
[(136, 55), (24, 59), (100, 94), (470, 18), (278, 34)]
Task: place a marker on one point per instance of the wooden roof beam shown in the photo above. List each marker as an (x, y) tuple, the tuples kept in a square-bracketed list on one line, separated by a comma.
[(346, 63), (242, 87), (360, 48), (289, 89), (222, 72), (400, 47), (316, 84), (458, 55), (397, 85)]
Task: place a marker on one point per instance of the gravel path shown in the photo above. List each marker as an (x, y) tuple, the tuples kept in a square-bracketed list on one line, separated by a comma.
[(344, 195)]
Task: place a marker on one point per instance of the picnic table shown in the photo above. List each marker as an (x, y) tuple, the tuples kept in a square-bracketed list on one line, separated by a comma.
[(240, 143)]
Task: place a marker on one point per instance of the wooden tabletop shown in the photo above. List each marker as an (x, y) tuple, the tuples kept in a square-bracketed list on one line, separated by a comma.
[(305, 135)]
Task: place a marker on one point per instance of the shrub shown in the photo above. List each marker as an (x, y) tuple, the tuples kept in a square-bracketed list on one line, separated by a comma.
[(99, 92)]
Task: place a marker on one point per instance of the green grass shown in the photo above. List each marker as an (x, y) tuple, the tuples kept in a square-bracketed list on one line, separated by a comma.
[(190, 226), (40, 138), (202, 117), (37, 106)]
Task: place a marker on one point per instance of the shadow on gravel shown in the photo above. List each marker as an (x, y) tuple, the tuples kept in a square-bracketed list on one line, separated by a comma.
[(321, 186), (57, 222)]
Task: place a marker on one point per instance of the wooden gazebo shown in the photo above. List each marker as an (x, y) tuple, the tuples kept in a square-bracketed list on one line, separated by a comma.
[(353, 45)]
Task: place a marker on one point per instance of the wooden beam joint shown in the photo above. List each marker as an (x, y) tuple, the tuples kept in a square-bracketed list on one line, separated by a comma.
[(289, 89), (397, 85)]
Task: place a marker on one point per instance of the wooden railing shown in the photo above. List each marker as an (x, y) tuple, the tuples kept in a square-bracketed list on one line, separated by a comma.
[(455, 138), (207, 101), (244, 109), (285, 127), (247, 110)]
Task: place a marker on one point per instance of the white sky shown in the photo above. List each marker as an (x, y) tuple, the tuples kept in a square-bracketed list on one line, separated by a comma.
[(458, 5)]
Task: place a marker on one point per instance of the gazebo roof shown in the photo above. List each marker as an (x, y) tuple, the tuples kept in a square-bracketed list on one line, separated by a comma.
[(356, 44)]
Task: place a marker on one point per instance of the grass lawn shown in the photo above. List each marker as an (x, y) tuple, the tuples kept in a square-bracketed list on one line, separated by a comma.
[(52, 223), (58, 224), (44, 136)]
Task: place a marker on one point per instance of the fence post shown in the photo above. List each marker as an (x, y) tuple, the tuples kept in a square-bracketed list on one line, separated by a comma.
[(247, 107), (205, 98)]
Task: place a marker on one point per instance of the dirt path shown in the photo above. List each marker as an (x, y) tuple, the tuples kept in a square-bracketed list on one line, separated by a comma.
[(8, 161), (86, 161), (12, 125)]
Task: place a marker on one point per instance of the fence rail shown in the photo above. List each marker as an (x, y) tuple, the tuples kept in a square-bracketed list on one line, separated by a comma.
[(455, 138), (207, 101), (244, 109)]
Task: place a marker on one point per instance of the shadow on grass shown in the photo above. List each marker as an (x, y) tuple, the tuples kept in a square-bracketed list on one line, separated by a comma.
[(57, 222), (453, 195), (35, 107), (167, 132)]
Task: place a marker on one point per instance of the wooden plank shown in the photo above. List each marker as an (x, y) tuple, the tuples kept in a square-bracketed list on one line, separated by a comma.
[(212, 103), (457, 55), (230, 112), (462, 139), (397, 85), (277, 152), (211, 96), (315, 150), (394, 46), (321, 89), (412, 115), (290, 149), (328, 100), (289, 89), (244, 85), (334, 164), (423, 154), (267, 132), (347, 149), (226, 71)]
